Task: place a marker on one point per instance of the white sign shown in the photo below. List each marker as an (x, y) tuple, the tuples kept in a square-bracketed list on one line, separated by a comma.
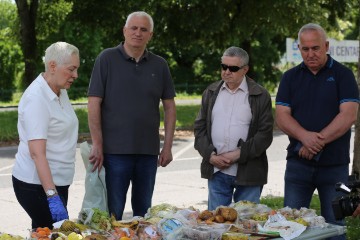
[(341, 51)]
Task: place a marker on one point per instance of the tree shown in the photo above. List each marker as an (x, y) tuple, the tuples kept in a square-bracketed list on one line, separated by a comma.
[(198, 30), (38, 22), (27, 11), (191, 34), (10, 52)]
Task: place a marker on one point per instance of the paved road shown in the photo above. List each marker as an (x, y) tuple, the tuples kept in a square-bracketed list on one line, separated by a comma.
[(179, 184)]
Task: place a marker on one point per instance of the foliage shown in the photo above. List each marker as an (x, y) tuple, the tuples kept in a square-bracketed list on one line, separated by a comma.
[(192, 34), (89, 41), (352, 227), (278, 202), (248, 24), (53, 12), (10, 52)]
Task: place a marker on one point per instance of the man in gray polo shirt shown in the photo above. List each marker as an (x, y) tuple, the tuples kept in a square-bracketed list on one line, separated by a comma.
[(126, 86)]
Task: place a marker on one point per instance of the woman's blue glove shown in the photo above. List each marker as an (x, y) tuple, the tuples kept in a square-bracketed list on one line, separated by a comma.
[(57, 209)]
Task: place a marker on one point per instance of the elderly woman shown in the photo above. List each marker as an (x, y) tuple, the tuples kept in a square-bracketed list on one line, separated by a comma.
[(48, 132)]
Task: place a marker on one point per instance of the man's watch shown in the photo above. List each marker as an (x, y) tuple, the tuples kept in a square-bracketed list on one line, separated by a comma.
[(51, 192)]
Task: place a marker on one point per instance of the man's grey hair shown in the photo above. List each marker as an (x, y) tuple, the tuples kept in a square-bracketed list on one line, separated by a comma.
[(237, 52), (59, 52), (312, 27), (140, 14)]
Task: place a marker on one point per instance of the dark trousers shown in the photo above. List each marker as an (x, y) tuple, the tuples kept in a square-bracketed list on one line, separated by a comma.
[(33, 199), (302, 179), (123, 169)]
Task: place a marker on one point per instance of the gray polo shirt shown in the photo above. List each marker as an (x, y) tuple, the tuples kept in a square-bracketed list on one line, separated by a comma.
[(131, 94)]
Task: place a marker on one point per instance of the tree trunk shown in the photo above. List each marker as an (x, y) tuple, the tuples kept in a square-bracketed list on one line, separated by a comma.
[(27, 14), (356, 160)]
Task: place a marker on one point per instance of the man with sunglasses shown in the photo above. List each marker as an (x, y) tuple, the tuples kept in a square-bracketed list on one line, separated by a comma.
[(233, 129)]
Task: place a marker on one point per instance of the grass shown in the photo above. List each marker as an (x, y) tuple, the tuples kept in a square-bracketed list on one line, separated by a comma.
[(8, 121), (353, 228), (17, 95), (185, 116), (278, 202)]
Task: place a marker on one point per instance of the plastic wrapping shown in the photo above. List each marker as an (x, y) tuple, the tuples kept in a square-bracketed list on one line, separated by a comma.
[(199, 232), (95, 187), (169, 228), (287, 229), (163, 210)]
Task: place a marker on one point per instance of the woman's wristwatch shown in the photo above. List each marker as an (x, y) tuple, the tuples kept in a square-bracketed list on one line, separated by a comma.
[(51, 192)]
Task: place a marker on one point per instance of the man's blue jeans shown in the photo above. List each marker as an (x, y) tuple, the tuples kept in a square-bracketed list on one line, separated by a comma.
[(120, 170), (302, 179), (222, 190)]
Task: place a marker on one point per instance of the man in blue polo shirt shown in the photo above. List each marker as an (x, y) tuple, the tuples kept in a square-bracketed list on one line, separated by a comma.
[(316, 105)]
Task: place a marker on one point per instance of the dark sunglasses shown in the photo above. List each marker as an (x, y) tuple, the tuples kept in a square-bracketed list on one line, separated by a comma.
[(231, 68)]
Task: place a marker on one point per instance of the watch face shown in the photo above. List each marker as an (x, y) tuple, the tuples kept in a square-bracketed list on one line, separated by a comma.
[(50, 192)]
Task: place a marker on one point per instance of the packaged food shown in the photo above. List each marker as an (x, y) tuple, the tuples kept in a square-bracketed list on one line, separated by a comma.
[(234, 236), (168, 226), (201, 232), (148, 232), (228, 213)]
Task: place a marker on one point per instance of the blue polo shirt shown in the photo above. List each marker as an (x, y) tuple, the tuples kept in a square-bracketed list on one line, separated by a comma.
[(315, 101)]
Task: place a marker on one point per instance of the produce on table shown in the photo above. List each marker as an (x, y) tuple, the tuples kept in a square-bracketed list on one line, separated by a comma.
[(238, 221), (95, 218), (220, 215), (41, 233), (6, 236)]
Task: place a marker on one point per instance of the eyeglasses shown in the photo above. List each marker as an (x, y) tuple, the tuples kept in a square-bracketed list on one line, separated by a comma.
[(232, 68)]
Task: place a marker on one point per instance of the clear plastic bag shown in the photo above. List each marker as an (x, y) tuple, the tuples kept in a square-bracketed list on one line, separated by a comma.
[(95, 187)]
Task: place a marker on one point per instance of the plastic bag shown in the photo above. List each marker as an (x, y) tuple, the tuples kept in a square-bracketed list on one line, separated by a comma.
[(287, 229), (95, 187)]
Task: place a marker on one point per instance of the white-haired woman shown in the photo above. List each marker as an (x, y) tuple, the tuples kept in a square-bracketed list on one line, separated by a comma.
[(48, 131)]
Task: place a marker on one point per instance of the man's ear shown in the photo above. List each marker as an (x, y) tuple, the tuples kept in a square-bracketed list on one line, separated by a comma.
[(246, 68), (327, 46), (151, 34)]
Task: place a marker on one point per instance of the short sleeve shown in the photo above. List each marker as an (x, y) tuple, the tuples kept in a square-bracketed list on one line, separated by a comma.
[(98, 78), (283, 94), (169, 90), (347, 87), (35, 118)]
